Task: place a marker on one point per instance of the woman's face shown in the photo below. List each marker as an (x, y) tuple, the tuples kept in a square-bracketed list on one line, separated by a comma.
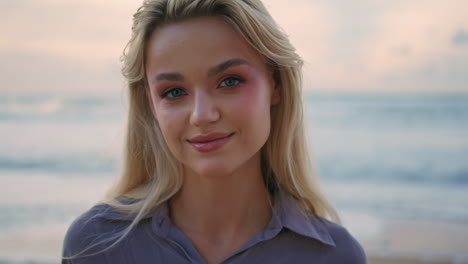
[(211, 94)]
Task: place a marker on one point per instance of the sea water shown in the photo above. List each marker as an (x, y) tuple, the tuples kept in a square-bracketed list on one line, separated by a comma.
[(378, 156)]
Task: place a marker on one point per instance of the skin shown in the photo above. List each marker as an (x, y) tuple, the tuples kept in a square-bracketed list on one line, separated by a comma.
[(223, 201)]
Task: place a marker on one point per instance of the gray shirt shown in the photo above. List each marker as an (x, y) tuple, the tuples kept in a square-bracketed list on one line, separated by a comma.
[(292, 236)]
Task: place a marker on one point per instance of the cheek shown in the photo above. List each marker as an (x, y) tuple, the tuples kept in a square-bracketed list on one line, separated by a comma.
[(255, 94), (256, 98), (253, 107), (171, 123)]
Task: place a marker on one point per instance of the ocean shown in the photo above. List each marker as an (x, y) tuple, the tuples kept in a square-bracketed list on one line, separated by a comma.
[(379, 157)]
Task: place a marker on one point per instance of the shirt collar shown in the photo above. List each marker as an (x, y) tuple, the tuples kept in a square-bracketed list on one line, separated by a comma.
[(287, 213), (107, 212), (290, 215)]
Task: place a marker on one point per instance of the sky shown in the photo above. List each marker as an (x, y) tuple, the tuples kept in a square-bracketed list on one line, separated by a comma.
[(378, 46)]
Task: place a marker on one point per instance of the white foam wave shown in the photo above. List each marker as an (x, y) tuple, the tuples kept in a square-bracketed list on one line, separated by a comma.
[(52, 190)]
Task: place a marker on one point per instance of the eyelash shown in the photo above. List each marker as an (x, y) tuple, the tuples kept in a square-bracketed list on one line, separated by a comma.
[(238, 80), (167, 93)]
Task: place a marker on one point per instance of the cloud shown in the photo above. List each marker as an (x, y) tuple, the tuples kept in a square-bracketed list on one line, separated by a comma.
[(67, 46), (35, 72), (426, 30), (309, 25), (460, 37), (400, 40), (80, 30), (361, 45)]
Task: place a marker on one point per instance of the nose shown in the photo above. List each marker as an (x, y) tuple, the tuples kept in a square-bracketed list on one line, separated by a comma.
[(205, 110)]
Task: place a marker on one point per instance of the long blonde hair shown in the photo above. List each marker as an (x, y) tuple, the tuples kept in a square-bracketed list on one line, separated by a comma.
[(151, 174)]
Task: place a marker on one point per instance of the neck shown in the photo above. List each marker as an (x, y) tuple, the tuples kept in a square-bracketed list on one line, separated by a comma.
[(224, 207)]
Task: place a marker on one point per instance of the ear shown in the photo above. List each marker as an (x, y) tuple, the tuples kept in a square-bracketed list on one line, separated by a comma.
[(150, 102)]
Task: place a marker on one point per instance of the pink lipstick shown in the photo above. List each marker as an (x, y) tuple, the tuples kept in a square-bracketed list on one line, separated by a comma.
[(209, 142)]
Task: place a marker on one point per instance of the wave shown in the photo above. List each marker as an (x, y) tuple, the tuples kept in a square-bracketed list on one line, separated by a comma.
[(43, 107), (18, 215), (31, 260), (60, 164), (387, 113), (327, 171), (377, 174)]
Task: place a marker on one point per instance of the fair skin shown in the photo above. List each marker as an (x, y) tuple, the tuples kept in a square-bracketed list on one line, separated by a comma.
[(211, 94)]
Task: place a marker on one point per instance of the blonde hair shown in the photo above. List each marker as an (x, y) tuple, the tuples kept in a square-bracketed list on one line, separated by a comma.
[(151, 174)]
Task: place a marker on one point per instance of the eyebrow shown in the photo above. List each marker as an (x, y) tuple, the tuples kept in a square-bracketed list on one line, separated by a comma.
[(175, 76), (226, 65), (170, 76)]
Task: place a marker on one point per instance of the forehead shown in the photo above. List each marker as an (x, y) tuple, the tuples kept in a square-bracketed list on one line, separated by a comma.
[(206, 40)]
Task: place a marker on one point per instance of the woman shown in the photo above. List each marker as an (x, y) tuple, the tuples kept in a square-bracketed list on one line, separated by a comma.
[(216, 166)]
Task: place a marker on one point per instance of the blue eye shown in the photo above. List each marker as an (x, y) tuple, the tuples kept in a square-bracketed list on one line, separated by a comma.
[(230, 82), (174, 93)]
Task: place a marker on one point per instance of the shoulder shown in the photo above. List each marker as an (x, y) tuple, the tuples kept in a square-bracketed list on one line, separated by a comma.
[(86, 234), (347, 248)]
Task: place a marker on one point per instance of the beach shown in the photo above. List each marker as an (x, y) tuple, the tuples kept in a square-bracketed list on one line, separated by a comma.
[(410, 260), (398, 241), (414, 242)]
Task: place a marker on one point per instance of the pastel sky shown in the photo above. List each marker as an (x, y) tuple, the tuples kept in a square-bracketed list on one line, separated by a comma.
[(349, 46)]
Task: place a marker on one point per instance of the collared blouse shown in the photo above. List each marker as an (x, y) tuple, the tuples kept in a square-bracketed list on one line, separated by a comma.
[(292, 236)]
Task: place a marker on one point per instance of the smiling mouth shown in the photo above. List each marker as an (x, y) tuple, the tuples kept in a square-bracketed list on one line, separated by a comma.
[(210, 142)]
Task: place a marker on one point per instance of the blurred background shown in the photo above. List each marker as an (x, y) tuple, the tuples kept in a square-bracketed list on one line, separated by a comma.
[(386, 99)]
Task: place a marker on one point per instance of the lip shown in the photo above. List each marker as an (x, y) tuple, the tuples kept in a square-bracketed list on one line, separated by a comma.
[(209, 142)]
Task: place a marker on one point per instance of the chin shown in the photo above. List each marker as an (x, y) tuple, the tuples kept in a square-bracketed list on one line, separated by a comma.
[(213, 170)]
